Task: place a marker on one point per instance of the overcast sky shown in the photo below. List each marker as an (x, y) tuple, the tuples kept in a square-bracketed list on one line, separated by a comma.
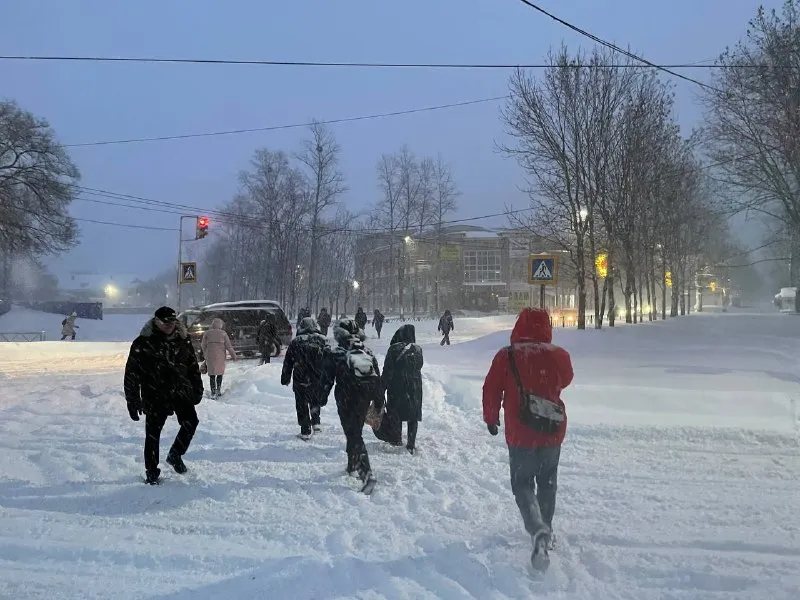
[(88, 102)]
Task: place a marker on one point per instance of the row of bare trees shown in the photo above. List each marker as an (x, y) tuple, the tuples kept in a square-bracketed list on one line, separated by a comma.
[(610, 176)]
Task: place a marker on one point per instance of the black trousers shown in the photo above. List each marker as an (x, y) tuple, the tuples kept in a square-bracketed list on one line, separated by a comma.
[(154, 423), (445, 339), (216, 383), (352, 417), (308, 403)]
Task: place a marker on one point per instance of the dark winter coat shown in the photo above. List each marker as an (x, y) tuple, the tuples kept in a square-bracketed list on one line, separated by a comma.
[(267, 337), (324, 321), (377, 320), (303, 313), (350, 391), (544, 370), (304, 360), (446, 323), (361, 318), (162, 371), (402, 376)]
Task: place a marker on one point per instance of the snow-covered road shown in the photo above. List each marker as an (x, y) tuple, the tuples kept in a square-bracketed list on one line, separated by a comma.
[(680, 478)]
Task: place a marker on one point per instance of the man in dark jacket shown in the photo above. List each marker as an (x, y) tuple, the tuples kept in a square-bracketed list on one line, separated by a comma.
[(267, 338), (446, 326), (162, 377), (355, 372), (402, 378), (324, 321), (303, 359), (302, 314), (361, 318), (377, 321), (533, 365)]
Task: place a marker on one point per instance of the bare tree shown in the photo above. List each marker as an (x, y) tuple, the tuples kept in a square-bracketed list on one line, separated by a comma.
[(445, 194), (754, 121), (37, 185), (320, 155)]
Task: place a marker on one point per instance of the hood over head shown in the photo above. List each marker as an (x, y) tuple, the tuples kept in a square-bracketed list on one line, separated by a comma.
[(308, 325), (406, 334), (217, 324), (346, 331), (533, 325)]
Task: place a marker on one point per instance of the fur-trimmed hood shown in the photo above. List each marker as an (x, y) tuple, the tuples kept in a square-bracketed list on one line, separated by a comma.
[(150, 328)]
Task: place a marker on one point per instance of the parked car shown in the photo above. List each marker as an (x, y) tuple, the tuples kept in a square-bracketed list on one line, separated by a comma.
[(241, 319)]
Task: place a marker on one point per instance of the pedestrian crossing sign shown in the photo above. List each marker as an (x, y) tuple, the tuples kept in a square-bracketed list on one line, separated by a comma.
[(189, 272), (542, 269)]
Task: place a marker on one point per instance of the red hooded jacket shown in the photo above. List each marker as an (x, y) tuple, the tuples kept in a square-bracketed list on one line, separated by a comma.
[(544, 369)]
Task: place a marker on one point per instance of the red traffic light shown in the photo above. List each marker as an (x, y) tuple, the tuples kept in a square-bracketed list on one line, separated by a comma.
[(202, 228), (202, 221)]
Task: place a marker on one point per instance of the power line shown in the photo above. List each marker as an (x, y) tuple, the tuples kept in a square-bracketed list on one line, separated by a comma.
[(395, 113), (352, 65), (128, 225), (615, 48)]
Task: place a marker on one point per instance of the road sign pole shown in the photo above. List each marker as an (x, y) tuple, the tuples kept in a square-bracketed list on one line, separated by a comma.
[(541, 296)]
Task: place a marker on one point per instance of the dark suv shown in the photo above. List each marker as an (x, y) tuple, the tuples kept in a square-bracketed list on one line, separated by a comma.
[(242, 320)]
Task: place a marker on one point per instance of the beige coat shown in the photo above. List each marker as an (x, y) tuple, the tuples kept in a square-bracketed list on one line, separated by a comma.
[(214, 344)]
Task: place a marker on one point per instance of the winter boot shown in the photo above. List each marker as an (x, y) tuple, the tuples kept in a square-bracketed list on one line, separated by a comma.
[(305, 433), (151, 477), (540, 559), (176, 462)]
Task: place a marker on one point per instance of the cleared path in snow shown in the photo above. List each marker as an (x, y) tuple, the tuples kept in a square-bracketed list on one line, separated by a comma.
[(679, 479)]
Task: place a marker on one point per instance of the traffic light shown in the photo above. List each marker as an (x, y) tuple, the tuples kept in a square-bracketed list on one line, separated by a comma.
[(202, 228)]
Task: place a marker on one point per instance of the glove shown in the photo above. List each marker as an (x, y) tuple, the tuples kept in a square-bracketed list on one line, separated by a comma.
[(134, 410), (492, 428)]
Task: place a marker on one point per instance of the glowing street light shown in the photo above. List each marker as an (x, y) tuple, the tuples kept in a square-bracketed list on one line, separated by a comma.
[(355, 284), (583, 214), (110, 291), (407, 239)]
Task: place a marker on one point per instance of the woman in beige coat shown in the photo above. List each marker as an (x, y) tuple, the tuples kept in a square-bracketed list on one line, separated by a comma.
[(214, 344)]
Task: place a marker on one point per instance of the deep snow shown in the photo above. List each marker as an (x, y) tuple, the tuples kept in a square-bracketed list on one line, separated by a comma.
[(679, 478)]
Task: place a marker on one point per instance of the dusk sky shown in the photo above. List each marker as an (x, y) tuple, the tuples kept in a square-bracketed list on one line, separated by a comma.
[(87, 102)]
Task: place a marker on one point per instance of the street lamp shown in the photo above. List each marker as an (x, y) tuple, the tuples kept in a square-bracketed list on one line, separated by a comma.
[(111, 291), (407, 239), (583, 214), (355, 285)]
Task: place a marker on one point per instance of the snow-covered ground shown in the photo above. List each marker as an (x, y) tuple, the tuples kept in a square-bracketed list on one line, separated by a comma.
[(680, 478)]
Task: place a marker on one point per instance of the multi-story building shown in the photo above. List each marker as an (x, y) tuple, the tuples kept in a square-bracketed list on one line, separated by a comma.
[(460, 267)]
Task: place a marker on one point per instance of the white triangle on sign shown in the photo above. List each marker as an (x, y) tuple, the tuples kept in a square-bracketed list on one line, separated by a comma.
[(542, 272), (189, 273)]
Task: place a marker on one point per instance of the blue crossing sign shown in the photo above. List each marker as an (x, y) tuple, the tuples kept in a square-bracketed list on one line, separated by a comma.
[(543, 269)]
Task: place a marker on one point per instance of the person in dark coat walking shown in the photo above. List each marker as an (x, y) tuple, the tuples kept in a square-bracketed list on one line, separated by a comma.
[(361, 318), (446, 326), (304, 360), (324, 321), (162, 377), (402, 378), (377, 321), (354, 370), (302, 314), (267, 338)]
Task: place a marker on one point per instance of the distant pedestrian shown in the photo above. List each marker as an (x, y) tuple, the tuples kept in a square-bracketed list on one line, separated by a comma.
[(526, 379), (162, 378), (68, 327), (267, 339), (214, 344), (302, 314), (446, 326), (377, 321), (361, 318), (303, 365), (324, 321)]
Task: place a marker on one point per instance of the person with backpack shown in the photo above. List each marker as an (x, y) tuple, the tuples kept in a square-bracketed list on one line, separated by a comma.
[(377, 321), (214, 344), (302, 362), (446, 326), (402, 378), (267, 338), (324, 321), (68, 327), (526, 380), (354, 370)]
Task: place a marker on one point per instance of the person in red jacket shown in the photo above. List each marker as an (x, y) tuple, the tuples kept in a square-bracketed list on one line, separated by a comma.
[(540, 370)]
